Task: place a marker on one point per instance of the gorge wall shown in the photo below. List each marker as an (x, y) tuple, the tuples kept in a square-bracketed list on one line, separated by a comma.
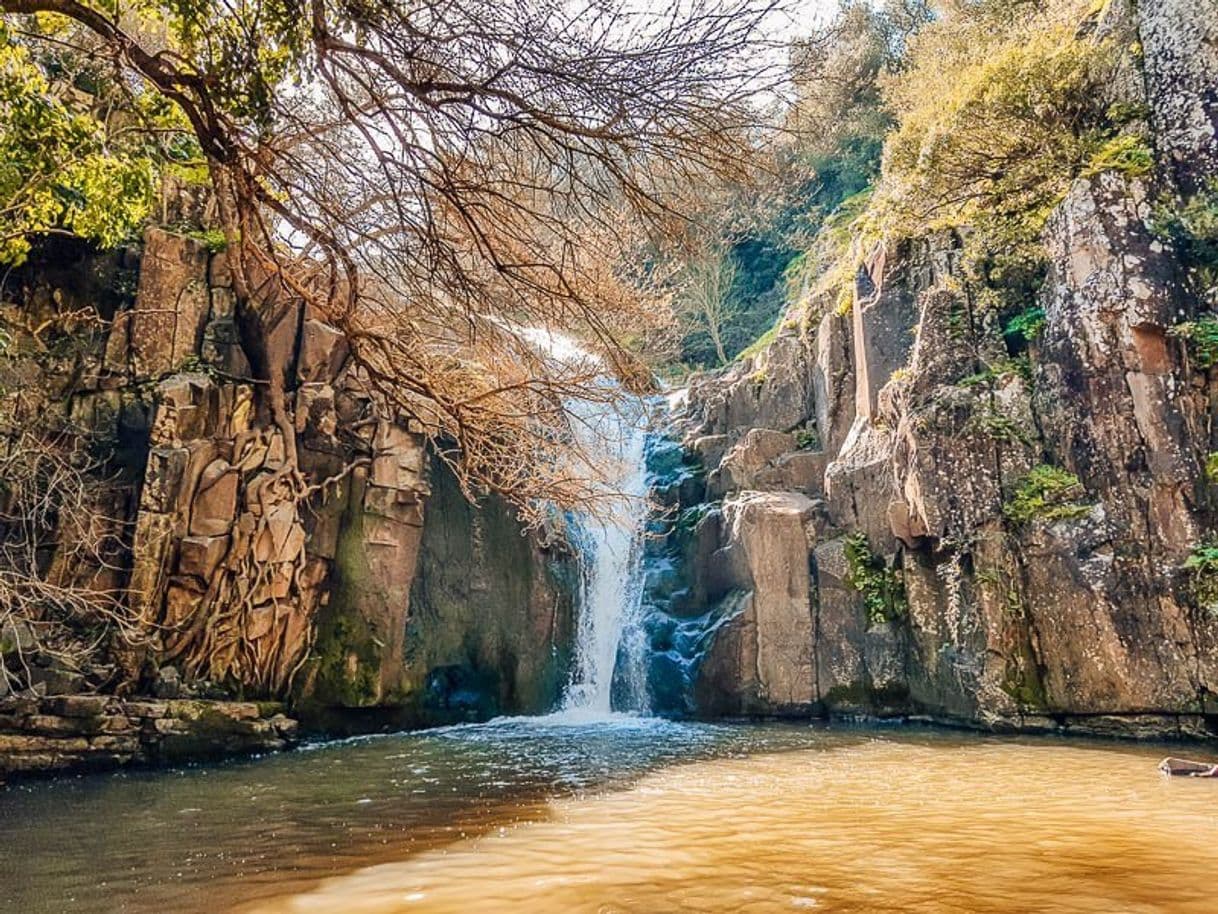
[(899, 512), (379, 598)]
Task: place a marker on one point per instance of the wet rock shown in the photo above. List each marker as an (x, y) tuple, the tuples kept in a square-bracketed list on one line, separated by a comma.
[(168, 683)]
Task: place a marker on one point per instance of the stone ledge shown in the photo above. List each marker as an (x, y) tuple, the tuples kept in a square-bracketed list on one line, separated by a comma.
[(61, 734)]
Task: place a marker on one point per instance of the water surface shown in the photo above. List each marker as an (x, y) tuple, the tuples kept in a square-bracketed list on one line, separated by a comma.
[(626, 816)]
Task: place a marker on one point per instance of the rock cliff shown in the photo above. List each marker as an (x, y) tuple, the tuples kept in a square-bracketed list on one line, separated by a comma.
[(380, 598), (905, 511)]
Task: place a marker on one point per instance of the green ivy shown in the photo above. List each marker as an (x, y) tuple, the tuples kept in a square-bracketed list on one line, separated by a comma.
[(1045, 493), (882, 588)]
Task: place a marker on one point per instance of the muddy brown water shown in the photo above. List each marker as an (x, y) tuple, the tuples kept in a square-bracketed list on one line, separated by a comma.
[(626, 815)]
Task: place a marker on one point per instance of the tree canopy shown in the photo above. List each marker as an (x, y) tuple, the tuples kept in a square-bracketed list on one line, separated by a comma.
[(427, 176)]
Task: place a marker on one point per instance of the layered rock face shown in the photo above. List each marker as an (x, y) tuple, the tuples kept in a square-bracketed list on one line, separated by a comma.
[(893, 513), (376, 597), (99, 732)]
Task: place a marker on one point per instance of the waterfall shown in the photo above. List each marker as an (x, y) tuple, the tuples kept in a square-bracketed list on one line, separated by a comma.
[(610, 643)]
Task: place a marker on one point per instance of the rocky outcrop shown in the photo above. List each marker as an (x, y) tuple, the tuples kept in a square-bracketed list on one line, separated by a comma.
[(1180, 38), (981, 530), (763, 660)]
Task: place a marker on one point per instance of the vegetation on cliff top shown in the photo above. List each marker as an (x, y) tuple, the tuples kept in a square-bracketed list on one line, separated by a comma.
[(982, 113)]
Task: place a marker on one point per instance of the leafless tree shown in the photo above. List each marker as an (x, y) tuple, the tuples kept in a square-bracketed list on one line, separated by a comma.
[(61, 546), (430, 175), (705, 295)]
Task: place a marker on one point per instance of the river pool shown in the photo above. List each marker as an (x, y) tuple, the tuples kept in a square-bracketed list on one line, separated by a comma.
[(625, 815)]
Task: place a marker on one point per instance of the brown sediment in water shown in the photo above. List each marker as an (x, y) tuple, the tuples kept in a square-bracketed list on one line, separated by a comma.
[(883, 825), (641, 816)]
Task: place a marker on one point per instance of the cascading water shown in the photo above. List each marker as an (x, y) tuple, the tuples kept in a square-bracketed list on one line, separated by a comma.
[(610, 646)]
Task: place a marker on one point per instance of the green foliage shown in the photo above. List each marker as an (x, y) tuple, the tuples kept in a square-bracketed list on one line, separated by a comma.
[(807, 439), (1192, 227), (998, 113), (999, 110), (997, 425), (839, 249), (1127, 153), (213, 239), (1026, 324), (957, 320), (1211, 467), (882, 588), (1202, 565), (822, 177), (1202, 337), (62, 166), (1047, 493), (82, 149), (759, 345), (991, 374)]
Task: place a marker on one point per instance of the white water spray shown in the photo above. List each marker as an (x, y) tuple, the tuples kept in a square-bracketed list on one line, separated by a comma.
[(610, 644), (609, 631)]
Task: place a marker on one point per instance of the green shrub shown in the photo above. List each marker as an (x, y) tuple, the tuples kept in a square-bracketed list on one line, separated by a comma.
[(882, 588), (1127, 153), (1000, 109), (1211, 467), (807, 439), (1202, 337), (1203, 574), (213, 239), (997, 425), (1046, 493), (991, 374), (1026, 324)]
